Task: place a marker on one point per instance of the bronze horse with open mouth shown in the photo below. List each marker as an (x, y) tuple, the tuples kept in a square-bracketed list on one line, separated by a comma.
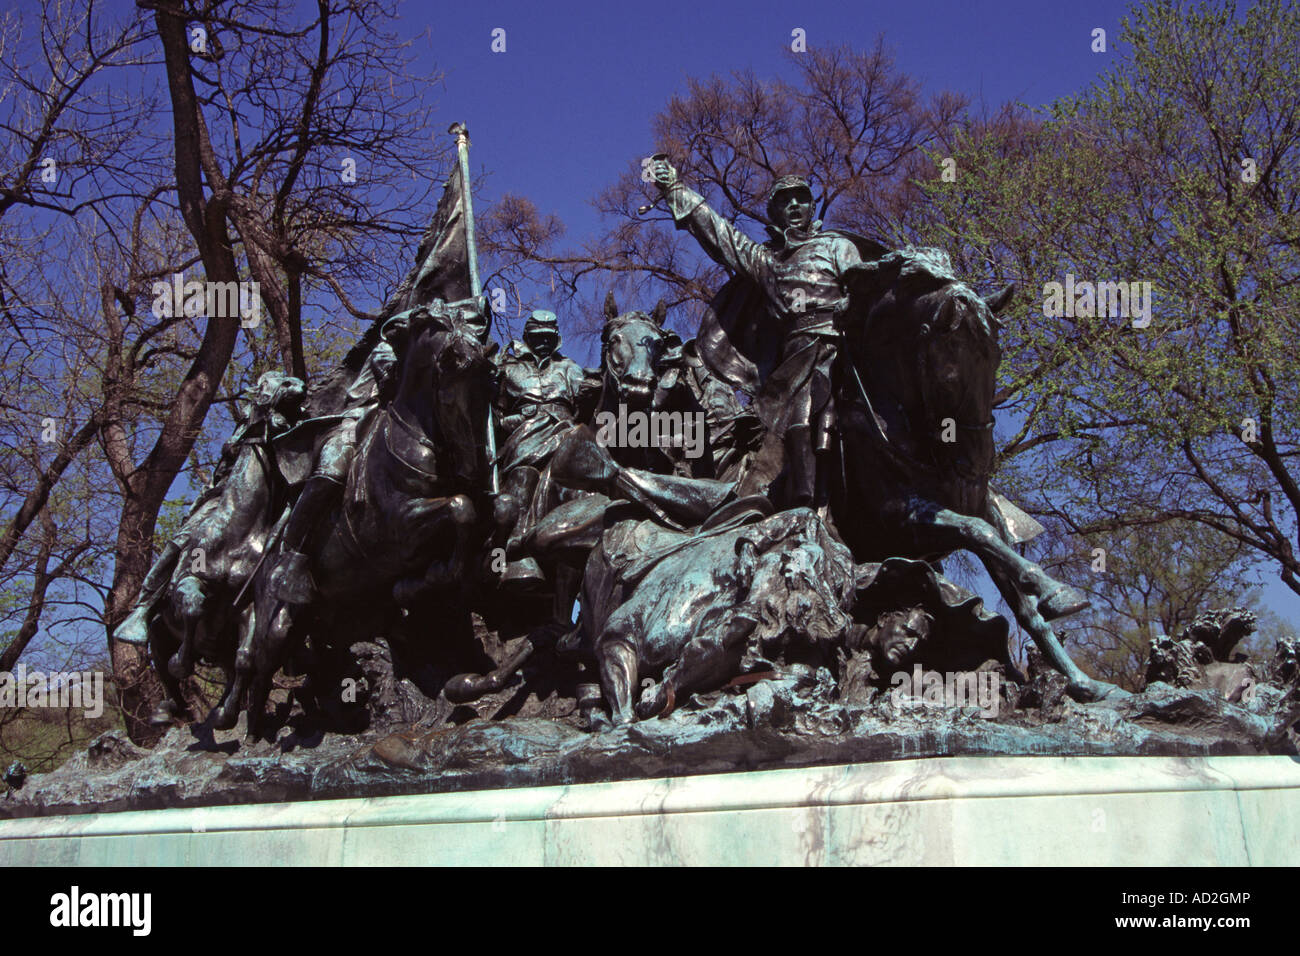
[(915, 407), (406, 531)]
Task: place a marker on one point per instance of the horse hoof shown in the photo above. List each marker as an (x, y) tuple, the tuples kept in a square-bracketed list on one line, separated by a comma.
[(650, 706), (1091, 691), (464, 688), (163, 714), (569, 646), (1062, 602), (221, 719), (656, 702)]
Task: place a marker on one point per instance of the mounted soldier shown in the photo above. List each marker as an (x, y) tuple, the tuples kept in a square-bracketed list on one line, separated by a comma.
[(291, 578), (270, 408), (772, 331), (540, 394)]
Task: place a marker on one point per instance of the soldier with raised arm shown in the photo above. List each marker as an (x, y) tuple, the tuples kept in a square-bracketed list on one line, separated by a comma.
[(798, 281)]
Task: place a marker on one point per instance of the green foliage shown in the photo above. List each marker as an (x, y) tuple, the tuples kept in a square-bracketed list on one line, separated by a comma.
[(1140, 178), (42, 738)]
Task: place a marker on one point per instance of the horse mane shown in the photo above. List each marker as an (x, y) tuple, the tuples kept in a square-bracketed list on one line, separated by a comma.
[(923, 266), (916, 273), (612, 325)]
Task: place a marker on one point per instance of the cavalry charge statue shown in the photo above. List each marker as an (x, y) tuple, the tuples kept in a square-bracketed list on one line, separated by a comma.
[(803, 533)]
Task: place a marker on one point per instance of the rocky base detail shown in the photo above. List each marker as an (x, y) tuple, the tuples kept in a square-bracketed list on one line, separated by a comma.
[(799, 717)]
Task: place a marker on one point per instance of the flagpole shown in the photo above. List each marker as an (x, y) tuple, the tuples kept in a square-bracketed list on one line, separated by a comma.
[(462, 150)]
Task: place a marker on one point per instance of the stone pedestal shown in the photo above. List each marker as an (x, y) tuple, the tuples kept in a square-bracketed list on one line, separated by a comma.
[(1147, 811)]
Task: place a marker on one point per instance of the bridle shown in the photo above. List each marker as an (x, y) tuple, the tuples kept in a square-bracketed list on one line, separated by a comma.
[(934, 423)]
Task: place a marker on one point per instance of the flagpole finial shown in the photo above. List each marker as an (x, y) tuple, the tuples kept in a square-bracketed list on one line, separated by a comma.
[(460, 132)]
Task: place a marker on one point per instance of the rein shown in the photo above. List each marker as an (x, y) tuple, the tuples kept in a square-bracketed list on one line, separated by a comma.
[(902, 459), (418, 435)]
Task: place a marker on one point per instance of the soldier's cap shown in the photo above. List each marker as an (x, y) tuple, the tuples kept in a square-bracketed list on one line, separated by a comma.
[(542, 320), (785, 184)]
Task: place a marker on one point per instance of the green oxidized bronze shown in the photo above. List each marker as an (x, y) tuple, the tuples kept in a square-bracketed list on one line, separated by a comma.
[(803, 529)]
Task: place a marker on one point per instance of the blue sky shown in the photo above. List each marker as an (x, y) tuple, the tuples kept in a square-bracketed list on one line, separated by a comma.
[(563, 110), (568, 104)]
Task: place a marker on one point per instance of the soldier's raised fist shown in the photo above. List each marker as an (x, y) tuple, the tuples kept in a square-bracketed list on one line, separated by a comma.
[(665, 175)]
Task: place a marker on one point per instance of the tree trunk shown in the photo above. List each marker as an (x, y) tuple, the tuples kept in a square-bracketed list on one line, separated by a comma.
[(147, 485)]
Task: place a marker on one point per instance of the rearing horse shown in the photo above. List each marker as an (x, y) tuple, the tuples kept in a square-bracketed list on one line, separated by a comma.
[(219, 547), (405, 529), (915, 405)]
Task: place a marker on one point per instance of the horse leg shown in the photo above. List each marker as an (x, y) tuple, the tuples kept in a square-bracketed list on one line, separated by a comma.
[(226, 714), (173, 705), (953, 531), (709, 659), (228, 670), (1033, 595), (464, 688), (460, 512), (268, 653), (617, 656), (434, 515), (188, 601), (1081, 687)]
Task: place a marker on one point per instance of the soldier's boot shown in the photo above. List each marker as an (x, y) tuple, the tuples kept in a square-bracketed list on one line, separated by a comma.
[(683, 501), (801, 467), (520, 572), (291, 579), (513, 500), (824, 462), (135, 629), (582, 462)]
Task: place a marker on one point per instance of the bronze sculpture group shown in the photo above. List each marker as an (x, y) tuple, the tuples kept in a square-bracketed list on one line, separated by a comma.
[(433, 478)]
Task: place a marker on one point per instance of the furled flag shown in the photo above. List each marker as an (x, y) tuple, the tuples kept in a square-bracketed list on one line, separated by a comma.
[(441, 268)]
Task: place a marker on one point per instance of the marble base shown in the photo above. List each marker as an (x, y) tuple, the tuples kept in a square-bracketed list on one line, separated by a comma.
[(1147, 811)]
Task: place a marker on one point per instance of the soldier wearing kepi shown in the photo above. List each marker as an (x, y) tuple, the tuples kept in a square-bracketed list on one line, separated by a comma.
[(798, 281), (539, 392), (291, 578), (274, 406)]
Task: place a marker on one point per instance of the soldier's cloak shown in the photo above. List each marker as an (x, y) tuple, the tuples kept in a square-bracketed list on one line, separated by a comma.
[(740, 342)]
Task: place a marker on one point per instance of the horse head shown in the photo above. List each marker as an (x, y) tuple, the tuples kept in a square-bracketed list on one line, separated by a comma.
[(927, 352), (632, 346), (444, 381), (957, 356), (277, 396)]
